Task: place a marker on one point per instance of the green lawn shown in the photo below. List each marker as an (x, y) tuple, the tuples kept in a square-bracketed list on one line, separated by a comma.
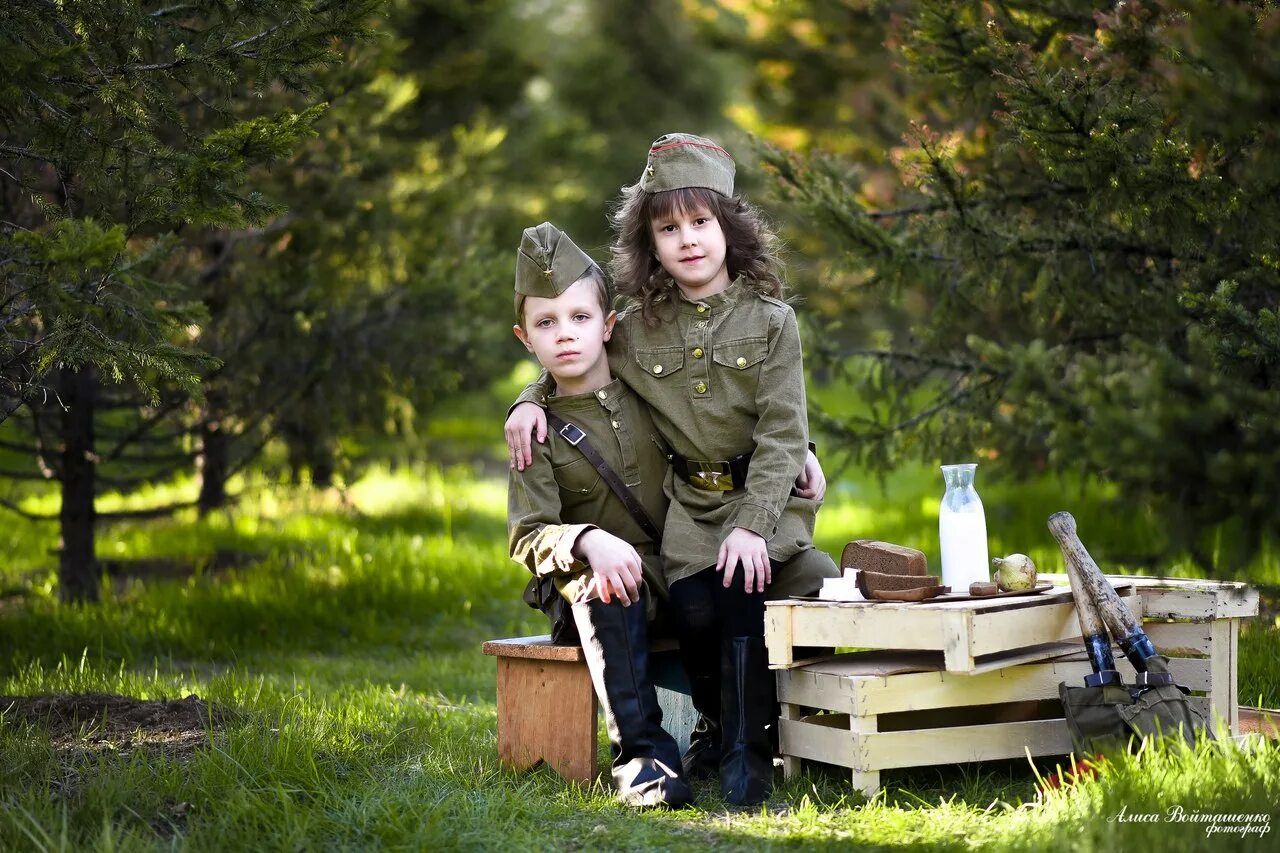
[(354, 708)]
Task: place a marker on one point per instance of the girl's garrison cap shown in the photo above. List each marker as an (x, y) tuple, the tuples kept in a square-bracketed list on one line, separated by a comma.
[(548, 262), (680, 160)]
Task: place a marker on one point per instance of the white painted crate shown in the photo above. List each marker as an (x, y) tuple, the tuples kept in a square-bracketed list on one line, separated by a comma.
[(905, 709)]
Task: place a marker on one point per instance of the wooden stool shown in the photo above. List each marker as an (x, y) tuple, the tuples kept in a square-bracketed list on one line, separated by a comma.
[(547, 709)]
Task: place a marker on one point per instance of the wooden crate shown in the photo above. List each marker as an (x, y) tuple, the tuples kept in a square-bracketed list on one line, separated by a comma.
[(974, 636), (885, 710)]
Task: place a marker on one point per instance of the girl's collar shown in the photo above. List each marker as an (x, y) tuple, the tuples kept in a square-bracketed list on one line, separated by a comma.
[(724, 299)]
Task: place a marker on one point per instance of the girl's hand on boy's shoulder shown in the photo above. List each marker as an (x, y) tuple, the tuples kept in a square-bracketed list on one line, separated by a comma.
[(748, 548), (525, 420), (615, 565)]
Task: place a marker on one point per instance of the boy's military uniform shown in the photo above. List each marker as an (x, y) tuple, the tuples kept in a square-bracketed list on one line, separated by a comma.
[(560, 497)]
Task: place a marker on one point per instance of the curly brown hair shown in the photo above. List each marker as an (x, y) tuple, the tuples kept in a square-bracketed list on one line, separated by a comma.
[(751, 246)]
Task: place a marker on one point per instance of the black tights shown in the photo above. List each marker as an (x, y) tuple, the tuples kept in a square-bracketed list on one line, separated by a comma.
[(707, 616), (707, 611)]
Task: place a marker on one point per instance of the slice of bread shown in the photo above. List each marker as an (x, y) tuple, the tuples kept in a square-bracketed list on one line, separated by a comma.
[(869, 582), (884, 557)]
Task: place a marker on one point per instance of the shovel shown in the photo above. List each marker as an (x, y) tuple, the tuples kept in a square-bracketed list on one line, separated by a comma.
[(1155, 705)]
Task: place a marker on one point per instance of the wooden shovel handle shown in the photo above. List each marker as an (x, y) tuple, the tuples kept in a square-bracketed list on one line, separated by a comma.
[(1091, 624), (1117, 615)]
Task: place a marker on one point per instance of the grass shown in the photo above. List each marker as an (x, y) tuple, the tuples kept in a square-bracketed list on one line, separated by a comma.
[(364, 717)]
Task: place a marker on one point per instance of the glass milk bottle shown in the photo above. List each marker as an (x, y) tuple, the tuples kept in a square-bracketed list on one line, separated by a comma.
[(962, 529)]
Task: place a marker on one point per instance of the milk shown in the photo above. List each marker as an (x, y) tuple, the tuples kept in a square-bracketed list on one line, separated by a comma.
[(963, 537)]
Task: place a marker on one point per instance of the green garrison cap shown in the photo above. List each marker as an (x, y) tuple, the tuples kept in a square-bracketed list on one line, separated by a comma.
[(679, 160), (548, 262)]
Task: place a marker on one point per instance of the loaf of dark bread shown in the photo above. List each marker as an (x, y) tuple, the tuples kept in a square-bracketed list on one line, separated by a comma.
[(885, 558)]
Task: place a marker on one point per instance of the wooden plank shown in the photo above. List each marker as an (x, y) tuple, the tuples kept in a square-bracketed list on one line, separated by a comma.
[(1233, 673), (1236, 601), (1032, 654), (865, 695), (790, 763), (923, 747), (1263, 721), (957, 635), (547, 714), (865, 627), (1220, 661), (538, 647), (818, 741), (1179, 639), (799, 687), (1196, 605), (995, 632), (778, 636)]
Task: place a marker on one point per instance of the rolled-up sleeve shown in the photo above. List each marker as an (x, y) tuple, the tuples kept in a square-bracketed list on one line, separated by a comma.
[(535, 535), (781, 434)]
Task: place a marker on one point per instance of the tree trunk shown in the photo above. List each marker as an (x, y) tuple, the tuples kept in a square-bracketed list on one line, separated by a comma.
[(322, 464), (214, 462), (77, 577), (310, 450)]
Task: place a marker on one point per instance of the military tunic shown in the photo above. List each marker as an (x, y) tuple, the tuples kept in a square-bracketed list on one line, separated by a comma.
[(561, 495), (723, 376)]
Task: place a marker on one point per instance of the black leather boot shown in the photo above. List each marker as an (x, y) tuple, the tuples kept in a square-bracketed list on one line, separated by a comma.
[(646, 759), (747, 699), (702, 758)]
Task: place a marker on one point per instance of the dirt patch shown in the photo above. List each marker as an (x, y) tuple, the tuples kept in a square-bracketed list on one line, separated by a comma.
[(162, 568), (91, 723)]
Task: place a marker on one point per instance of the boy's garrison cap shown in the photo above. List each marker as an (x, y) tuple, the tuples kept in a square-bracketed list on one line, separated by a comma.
[(680, 160), (548, 262)]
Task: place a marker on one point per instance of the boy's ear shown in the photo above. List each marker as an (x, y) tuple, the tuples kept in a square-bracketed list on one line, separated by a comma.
[(523, 337), (608, 324)]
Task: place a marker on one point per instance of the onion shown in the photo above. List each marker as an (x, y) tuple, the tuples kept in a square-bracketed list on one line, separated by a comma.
[(1015, 573)]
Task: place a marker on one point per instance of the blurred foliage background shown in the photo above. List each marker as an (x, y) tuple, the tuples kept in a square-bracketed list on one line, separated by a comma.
[(277, 236)]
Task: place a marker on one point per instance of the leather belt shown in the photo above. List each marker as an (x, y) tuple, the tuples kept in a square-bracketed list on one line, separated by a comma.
[(717, 475)]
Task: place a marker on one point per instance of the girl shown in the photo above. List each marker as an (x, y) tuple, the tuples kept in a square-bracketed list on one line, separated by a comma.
[(711, 347)]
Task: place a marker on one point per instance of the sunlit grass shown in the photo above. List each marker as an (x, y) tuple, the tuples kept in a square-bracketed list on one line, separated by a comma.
[(348, 647)]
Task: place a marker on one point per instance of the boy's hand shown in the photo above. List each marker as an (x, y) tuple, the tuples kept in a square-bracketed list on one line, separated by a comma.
[(614, 564), (524, 420), (811, 483), (746, 547)]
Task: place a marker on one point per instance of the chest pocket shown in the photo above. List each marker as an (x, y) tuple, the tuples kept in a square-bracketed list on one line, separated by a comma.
[(660, 362), (741, 354), (579, 478)]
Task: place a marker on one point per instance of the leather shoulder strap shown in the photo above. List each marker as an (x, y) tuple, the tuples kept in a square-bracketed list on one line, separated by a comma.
[(575, 436)]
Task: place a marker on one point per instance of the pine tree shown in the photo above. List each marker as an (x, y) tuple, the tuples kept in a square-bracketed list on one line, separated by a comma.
[(1092, 233), (123, 126)]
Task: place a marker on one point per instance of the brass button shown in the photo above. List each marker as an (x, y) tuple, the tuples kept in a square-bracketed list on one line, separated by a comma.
[(657, 368), (702, 324), (702, 309), (742, 362), (697, 352), (701, 387), (615, 424)]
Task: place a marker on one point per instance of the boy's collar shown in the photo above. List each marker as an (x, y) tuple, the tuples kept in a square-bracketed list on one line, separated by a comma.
[(612, 391)]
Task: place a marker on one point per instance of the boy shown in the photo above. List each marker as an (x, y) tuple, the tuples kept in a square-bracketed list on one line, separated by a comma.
[(610, 574)]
